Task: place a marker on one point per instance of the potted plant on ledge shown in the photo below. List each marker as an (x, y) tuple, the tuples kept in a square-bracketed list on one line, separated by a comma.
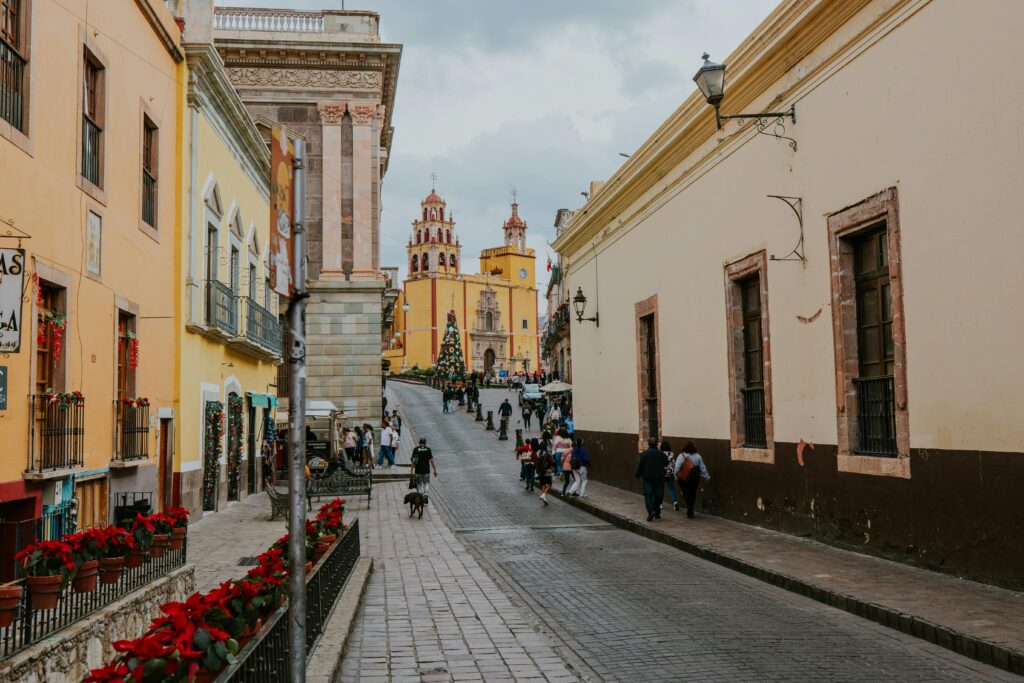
[(117, 543), (48, 566), (179, 526), (162, 527), (142, 538), (10, 596), (87, 547)]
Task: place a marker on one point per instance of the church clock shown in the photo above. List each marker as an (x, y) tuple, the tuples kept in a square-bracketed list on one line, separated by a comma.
[(522, 273)]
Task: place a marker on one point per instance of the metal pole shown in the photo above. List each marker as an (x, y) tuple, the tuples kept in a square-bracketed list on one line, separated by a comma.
[(297, 436)]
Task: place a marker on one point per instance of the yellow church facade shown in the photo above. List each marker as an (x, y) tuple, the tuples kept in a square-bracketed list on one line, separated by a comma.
[(496, 309)]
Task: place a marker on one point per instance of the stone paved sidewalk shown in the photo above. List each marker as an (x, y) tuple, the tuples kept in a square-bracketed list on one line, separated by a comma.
[(431, 613), (975, 619)]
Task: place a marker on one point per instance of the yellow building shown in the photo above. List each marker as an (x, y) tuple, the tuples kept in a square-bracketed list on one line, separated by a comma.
[(496, 309), (89, 127), (229, 333)]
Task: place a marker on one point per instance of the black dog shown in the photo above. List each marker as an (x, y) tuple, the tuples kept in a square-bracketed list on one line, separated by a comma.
[(415, 501)]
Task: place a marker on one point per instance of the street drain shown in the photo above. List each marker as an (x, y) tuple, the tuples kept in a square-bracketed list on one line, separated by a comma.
[(248, 562)]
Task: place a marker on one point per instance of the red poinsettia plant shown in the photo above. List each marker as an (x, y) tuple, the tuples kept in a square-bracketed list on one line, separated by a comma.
[(63, 400), (329, 519), (137, 402), (87, 545), (116, 542), (48, 558), (177, 516), (162, 523), (142, 531)]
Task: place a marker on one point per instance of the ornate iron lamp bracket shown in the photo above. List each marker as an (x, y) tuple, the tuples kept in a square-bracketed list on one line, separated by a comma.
[(797, 205), (12, 231), (770, 123)]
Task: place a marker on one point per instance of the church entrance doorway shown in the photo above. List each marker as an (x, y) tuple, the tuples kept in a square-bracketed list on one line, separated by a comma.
[(488, 360)]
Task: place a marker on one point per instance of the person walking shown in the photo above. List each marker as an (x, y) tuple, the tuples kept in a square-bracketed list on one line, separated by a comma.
[(348, 442), (462, 397), (650, 468), (528, 458), (690, 470), (545, 465), (579, 462), (396, 422), (556, 414), (388, 442), (422, 463), (561, 448), (505, 411), (527, 414), (670, 473), (367, 445), (446, 397)]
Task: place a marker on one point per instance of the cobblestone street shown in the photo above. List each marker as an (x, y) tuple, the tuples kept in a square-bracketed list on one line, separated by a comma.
[(491, 585)]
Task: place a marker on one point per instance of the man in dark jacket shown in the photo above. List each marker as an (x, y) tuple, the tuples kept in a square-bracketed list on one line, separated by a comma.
[(651, 469)]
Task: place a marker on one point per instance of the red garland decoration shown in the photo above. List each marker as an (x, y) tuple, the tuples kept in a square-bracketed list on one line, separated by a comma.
[(39, 290), (133, 353), (58, 333)]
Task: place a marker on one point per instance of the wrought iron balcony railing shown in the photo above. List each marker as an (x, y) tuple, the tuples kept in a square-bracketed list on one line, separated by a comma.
[(876, 415), (132, 435), (12, 86), (221, 307), (57, 433), (92, 142), (262, 327), (754, 435), (148, 198), (15, 535)]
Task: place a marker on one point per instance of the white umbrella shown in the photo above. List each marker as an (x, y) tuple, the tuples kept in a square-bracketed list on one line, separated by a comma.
[(556, 388)]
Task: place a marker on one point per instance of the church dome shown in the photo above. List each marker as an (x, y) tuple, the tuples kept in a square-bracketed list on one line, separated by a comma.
[(514, 221), (433, 198)]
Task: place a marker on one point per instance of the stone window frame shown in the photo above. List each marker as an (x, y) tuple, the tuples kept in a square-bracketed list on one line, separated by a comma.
[(642, 309), (89, 50), (843, 226), (24, 139), (736, 272)]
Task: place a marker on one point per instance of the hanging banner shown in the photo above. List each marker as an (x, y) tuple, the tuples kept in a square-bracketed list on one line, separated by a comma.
[(282, 212), (12, 284)]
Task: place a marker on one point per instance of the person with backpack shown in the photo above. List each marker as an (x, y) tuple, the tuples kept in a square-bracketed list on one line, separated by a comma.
[(545, 465), (690, 470), (528, 460), (579, 462), (422, 462)]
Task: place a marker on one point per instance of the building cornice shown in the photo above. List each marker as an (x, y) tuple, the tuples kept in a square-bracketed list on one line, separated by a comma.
[(210, 91), (160, 27), (785, 38)]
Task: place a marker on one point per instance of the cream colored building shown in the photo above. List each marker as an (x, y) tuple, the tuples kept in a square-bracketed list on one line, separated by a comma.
[(852, 284)]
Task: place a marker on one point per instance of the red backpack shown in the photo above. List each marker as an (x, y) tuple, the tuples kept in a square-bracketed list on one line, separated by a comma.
[(686, 469)]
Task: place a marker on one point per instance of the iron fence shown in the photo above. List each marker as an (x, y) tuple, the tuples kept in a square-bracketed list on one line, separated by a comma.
[(754, 435), (57, 437), (876, 415), (221, 307), (15, 535), (92, 140), (132, 431), (148, 198), (265, 659), (262, 327), (30, 626), (12, 86)]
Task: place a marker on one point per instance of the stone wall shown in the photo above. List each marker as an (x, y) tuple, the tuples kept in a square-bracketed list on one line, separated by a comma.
[(69, 655)]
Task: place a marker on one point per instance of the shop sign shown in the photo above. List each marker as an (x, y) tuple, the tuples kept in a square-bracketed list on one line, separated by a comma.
[(12, 281)]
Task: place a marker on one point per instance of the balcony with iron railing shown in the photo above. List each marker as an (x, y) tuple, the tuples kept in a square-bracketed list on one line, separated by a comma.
[(876, 415), (56, 435), (12, 86), (131, 433), (262, 327), (148, 199), (221, 308)]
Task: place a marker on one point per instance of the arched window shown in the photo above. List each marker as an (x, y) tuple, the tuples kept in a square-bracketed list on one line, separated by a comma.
[(426, 262), (448, 236), (419, 236), (442, 213), (489, 321), (433, 214), (451, 260), (413, 265), (424, 213)]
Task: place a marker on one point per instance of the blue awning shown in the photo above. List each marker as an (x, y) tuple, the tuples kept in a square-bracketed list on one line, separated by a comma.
[(262, 400)]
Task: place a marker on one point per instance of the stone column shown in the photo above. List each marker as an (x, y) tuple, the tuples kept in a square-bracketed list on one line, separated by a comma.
[(332, 114), (362, 191)]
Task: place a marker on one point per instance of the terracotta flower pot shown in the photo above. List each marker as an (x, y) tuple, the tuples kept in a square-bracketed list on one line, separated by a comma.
[(178, 537), (135, 559), (309, 568), (45, 591), (110, 569), (329, 539), (204, 675), (10, 596), (320, 550), (160, 544), (85, 577), (248, 634)]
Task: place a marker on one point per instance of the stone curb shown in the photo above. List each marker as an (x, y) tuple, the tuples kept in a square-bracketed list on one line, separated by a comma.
[(325, 659), (985, 651)]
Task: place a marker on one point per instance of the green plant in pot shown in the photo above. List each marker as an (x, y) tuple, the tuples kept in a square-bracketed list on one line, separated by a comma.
[(87, 547), (48, 566), (179, 526), (162, 526), (117, 543), (142, 531)]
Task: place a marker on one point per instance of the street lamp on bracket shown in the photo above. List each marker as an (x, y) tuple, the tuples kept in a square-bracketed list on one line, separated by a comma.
[(579, 303), (710, 79)]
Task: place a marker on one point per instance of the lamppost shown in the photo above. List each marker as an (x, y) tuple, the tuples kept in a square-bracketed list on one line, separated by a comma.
[(710, 78), (579, 303)]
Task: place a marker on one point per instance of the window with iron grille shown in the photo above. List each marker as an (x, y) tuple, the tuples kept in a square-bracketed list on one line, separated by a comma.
[(648, 384), (876, 414), (150, 158), (92, 119), (13, 63), (51, 325), (753, 364)]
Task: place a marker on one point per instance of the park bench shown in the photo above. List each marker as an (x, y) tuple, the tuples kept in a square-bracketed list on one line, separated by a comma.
[(342, 482), (278, 500)]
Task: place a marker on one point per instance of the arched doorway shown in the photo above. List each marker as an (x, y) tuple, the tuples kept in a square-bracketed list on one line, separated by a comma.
[(488, 360)]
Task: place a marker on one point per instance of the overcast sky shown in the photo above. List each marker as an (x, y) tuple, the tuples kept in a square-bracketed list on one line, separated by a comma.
[(539, 94)]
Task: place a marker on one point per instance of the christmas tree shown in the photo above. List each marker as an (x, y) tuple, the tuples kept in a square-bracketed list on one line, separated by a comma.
[(450, 363)]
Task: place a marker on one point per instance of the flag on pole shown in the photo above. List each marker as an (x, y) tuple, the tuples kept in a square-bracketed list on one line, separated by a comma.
[(549, 264)]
